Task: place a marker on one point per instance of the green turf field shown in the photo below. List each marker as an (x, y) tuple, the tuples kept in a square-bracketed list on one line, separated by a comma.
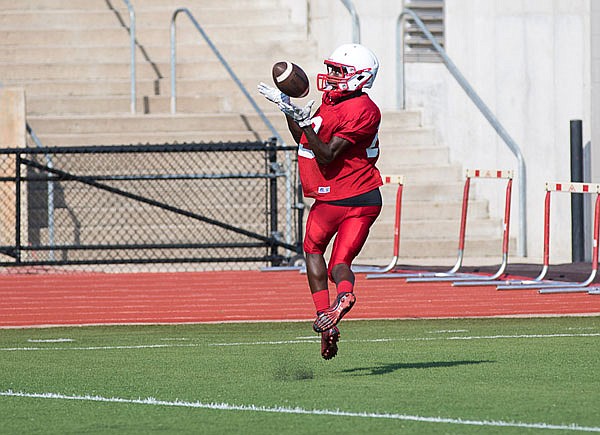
[(496, 376)]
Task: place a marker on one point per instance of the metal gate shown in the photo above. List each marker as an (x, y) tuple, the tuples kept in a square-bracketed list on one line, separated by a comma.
[(210, 205)]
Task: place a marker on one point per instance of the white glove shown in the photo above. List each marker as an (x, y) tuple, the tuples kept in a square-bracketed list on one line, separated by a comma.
[(273, 94), (299, 114)]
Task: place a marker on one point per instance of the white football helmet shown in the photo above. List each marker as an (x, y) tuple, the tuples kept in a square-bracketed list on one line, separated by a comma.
[(350, 67)]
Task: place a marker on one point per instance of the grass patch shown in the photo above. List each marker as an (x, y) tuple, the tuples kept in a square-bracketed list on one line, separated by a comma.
[(484, 370)]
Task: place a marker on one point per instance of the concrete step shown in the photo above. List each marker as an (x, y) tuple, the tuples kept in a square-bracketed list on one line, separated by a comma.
[(105, 18), (142, 124), (165, 234), (401, 119), (208, 69), (142, 217), (147, 53), (128, 138), (151, 122), (103, 105), (372, 252), (137, 4), (427, 209), (110, 105), (102, 86), (151, 36), (392, 138), (410, 164), (54, 130), (414, 189), (434, 174), (435, 229)]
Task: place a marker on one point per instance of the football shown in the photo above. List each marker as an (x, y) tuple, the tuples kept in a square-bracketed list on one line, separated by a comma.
[(291, 79)]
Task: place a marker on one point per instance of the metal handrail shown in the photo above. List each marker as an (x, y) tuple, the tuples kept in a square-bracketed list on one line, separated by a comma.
[(512, 145), (242, 88), (132, 50), (50, 165), (355, 21), (237, 81)]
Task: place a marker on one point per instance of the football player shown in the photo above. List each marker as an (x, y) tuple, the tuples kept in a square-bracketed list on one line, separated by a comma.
[(337, 152)]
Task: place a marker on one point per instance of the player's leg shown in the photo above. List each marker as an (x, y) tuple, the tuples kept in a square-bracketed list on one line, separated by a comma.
[(351, 237), (320, 229)]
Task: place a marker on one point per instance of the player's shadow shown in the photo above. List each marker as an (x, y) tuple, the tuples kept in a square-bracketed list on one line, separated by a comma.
[(384, 369)]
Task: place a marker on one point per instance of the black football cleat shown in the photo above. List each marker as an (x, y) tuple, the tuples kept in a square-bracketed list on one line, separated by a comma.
[(329, 341)]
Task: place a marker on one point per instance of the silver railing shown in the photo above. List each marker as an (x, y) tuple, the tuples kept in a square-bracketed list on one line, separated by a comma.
[(50, 201), (487, 113), (355, 20), (234, 77), (132, 55), (131, 50), (225, 64)]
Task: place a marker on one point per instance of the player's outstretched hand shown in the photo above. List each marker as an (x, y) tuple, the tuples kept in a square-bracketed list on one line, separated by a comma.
[(273, 94), (299, 114)]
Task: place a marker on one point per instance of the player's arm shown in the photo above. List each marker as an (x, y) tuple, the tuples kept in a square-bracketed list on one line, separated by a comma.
[(276, 96), (294, 129), (325, 152)]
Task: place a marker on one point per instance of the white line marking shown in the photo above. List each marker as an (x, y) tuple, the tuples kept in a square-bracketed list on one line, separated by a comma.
[(140, 346), (383, 340), (50, 340), (444, 331), (303, 340), (298, 410)]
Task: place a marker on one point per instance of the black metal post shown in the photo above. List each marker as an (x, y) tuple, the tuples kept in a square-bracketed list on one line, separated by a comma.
[(577, 224), (272, 152), (18, 208)]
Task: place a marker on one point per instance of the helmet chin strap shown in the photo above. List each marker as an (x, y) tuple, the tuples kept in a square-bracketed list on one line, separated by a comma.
[(337, 96)]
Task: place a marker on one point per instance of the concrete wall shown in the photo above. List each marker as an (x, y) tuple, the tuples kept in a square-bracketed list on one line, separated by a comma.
[(12, 135), (595, 117), (530, 62)]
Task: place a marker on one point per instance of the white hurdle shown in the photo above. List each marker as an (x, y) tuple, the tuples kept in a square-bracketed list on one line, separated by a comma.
[(454, 273), (563, 287)]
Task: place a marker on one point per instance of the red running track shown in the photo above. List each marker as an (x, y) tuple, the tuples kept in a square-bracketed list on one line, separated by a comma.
[(151, 298)]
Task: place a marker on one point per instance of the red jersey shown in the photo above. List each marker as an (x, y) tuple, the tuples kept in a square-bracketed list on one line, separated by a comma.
[(357, 120)]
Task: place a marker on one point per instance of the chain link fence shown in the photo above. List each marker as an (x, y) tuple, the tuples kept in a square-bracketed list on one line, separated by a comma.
[(171, 207)]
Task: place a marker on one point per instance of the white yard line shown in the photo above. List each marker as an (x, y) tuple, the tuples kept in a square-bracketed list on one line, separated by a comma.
[(50, 340), (286, 410), (302, 341)]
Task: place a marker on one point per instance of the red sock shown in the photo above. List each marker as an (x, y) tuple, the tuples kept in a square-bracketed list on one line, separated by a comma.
[(345, 287), (321, 300)]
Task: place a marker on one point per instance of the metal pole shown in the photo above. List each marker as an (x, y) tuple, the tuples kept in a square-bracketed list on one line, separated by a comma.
[(132, 55), (18, 208), (355, 21), (272, 152), (485, 111), (173, 52), (577, 224)]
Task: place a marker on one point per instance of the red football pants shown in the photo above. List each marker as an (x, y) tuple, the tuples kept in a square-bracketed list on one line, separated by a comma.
[(351, 224)]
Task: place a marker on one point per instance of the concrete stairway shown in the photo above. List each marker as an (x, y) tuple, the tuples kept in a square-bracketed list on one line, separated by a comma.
[(72, 57)]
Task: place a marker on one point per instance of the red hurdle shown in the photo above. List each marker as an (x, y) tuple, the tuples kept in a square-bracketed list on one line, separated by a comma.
[(563, 287), (399, 180), (453, 274)]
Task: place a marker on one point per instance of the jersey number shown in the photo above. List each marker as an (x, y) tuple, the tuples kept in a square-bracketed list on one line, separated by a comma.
[(317, 122)]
